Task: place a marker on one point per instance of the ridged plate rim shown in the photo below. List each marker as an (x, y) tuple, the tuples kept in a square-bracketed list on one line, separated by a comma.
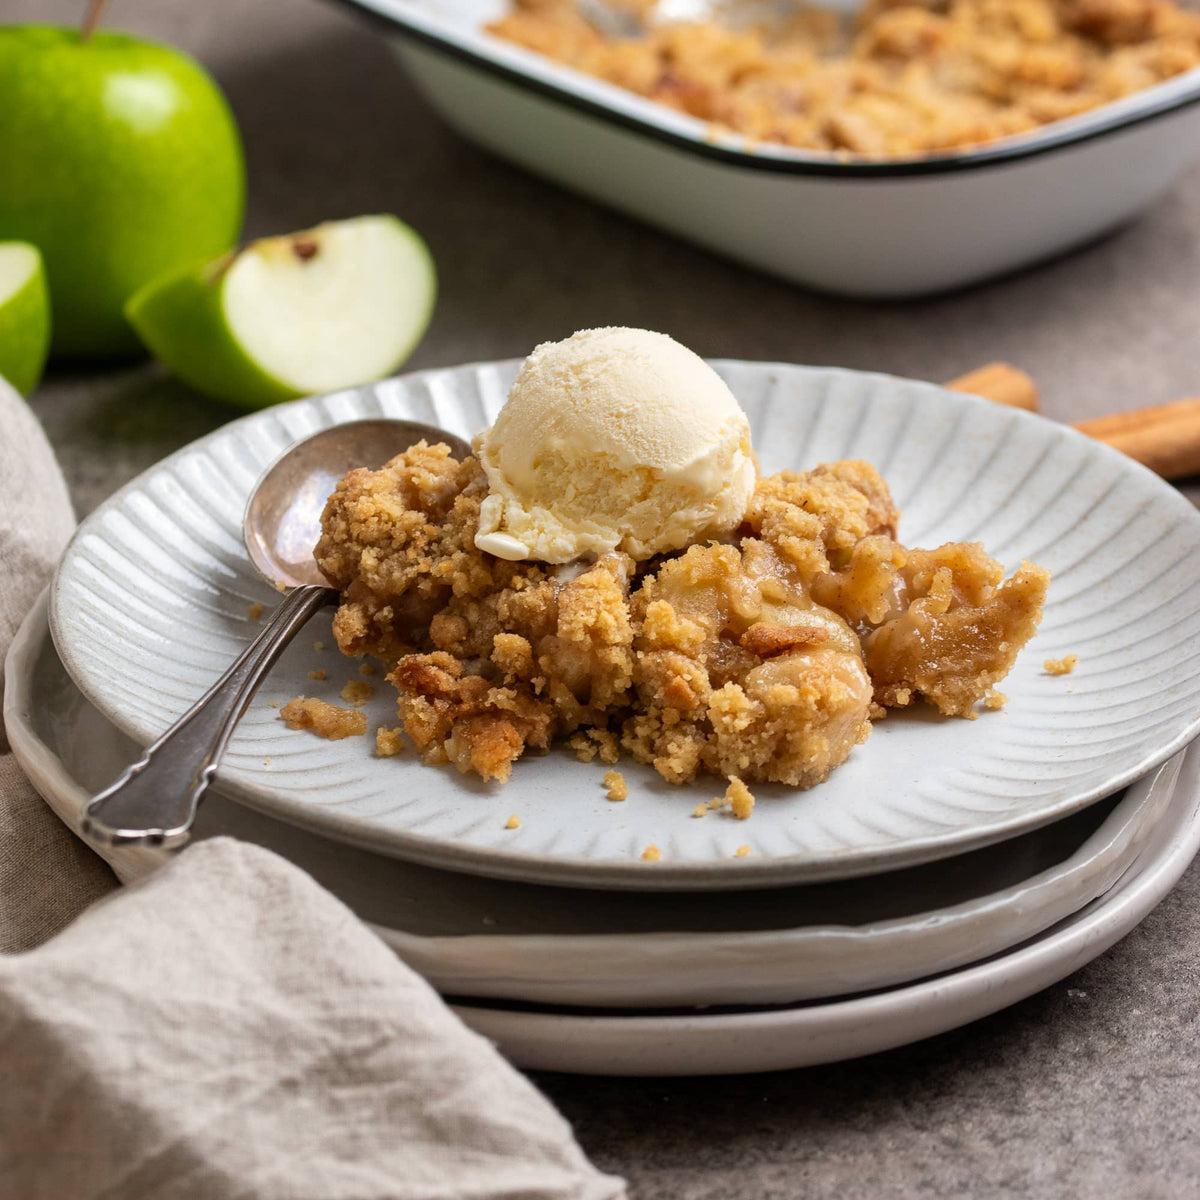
[(543, 1038)]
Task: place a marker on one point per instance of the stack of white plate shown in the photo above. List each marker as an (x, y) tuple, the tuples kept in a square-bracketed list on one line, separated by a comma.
[(948, 869)]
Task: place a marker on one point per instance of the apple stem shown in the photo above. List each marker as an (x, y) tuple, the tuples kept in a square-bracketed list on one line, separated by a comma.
[(91, 19)]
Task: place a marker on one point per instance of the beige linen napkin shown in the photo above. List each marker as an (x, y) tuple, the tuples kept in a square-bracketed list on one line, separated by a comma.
[(46, 875), (225, 1028)]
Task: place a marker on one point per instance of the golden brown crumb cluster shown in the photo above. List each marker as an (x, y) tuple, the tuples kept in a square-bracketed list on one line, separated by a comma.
[(325, 720), (356, 692), (389, 741), (762, 660), (615, 786), (1060, 666), (739, 798), (911, 77)]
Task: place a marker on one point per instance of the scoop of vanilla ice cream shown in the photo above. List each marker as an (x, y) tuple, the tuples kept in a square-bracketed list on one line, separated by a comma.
[(613, 439)]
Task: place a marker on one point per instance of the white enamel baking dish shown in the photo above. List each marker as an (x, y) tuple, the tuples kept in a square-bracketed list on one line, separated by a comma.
[(868, 229)]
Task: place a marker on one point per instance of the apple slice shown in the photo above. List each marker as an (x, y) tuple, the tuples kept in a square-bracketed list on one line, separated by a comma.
[(341, 304), (24, 315)]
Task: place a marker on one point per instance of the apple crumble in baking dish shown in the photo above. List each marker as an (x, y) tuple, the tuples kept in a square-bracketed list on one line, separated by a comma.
[(905, 77)]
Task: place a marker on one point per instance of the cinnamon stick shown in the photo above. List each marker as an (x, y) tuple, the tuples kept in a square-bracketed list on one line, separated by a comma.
[(1001, 383), (1165, 438)]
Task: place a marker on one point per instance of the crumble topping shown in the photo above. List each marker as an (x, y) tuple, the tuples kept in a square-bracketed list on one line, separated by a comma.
[(905, 77), (762, 658), (588, 744)]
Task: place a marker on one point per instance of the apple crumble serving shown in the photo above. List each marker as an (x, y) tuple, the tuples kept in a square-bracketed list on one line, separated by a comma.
[(909, 77), (546, 587), (763, 659)]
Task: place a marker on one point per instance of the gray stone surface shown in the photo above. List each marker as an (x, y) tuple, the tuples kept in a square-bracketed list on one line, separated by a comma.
[(1088, 1090)]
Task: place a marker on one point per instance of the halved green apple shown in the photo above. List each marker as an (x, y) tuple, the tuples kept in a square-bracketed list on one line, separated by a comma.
[(24, 315), (341, 304)]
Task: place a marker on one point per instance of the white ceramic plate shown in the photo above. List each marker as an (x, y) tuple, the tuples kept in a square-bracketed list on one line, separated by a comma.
[(472, 936), (737, 1043), (150, 604), (859, 228)]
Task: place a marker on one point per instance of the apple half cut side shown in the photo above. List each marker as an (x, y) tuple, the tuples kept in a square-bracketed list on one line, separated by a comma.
[(338, 305), (24, 315)]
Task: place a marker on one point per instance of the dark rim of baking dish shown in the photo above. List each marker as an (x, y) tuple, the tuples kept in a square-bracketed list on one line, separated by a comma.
[(997, 154)]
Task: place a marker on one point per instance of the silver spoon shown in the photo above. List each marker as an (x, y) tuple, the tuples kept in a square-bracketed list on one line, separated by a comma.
[(154, 801)]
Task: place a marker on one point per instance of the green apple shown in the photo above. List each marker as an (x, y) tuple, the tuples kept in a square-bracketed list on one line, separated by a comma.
[(24, 315), (119, 160), (341, 304)]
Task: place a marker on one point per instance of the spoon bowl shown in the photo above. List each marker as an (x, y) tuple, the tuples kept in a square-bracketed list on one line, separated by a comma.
[(283, 516)]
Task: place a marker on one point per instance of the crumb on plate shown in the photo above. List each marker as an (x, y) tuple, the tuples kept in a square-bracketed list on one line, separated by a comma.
[(367, 669), (617, 788), (389, 742), (513, 822), (741, 852), (995, 700), (318, 674), (255, 610), (1060, 666), (738, 797), (652, 853), (357, 692), (325, 720)]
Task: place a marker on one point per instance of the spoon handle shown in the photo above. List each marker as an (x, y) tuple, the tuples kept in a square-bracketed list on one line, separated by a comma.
[(154, 801)]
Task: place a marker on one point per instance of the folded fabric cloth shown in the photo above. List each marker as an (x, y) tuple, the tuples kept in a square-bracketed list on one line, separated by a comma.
[(225, 1028), (47, 876)]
